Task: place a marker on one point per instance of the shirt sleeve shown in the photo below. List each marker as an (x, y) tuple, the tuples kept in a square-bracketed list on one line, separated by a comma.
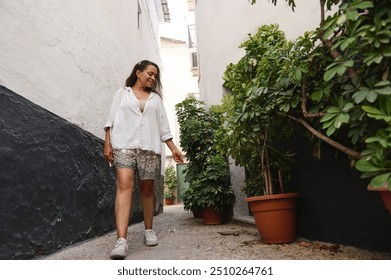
[(113, 109), (165, 132)]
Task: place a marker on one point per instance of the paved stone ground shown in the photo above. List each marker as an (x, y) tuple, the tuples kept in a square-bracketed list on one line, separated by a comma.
[(182, 237)]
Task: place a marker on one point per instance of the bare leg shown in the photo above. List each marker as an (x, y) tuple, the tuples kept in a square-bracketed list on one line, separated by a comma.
[(148, 201), (123, 200)]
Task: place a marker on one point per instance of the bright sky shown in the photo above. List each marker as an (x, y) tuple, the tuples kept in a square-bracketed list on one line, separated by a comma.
[(177, 28)]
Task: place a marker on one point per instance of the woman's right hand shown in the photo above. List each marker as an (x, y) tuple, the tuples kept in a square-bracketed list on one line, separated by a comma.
[(107, 149), (108, 153)]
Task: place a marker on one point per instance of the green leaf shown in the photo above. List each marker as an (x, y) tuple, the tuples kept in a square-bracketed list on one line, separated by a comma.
[(328, 124), (348, 63), (347, 107), (371, 110), (316, 95), (297, 74), (330, 130), (328, 32), (341, 19), (327, 117), (384, 90), (371, 96), (363, 5), (333, 110), (376, 113), (352, 15), (365, 166), (346, 43), (333, 64), (360, 95), (373, 139), (374, 58), (341, 69), (328, 24), (341, 119), (329, 74), (382, 83), (379, 180)]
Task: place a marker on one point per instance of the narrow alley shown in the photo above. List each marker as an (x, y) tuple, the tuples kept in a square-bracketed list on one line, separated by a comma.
[(182, 237)]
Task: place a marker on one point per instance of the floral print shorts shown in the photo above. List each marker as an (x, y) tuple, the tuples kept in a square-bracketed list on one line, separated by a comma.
[(145, 163)]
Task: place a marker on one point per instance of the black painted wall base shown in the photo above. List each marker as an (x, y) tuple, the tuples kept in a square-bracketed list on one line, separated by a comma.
[(334, 204), (56, 188)]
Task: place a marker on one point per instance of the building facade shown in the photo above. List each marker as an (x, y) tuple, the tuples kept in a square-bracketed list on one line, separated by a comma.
[(71, 56), (61, 63)]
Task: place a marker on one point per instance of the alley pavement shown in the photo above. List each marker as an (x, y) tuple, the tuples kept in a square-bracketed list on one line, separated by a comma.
[(183, 237)]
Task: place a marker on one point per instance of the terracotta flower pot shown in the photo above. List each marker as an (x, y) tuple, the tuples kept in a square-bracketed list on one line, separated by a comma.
[(169, 201), (211, 216), (385, 195), (275, 216)]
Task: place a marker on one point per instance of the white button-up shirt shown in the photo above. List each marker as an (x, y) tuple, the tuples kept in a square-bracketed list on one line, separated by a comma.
[(130, 128)]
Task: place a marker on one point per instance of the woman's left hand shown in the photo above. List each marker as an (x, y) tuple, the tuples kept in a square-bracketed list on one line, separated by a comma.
[(176, 154)]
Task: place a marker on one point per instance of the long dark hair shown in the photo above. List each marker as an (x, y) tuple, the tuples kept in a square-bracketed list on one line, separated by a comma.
[(132, 79)]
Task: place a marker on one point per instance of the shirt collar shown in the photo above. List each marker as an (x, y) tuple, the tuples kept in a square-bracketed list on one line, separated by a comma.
[(129, 89)]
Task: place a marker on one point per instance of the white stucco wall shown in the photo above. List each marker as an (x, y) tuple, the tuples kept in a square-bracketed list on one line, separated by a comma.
[(70, 56), (223, 25), (177, 80)]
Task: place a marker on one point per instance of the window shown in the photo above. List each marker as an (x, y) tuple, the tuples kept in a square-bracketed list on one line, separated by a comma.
[(194, 60)]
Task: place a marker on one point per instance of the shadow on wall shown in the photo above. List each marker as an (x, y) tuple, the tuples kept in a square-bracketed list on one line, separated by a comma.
[(56, 188)]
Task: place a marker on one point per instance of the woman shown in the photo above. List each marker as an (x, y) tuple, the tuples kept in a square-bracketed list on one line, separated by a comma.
[(136, 127)]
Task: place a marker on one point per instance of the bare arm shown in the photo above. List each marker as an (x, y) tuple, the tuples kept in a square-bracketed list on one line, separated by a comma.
[(176, 154), (107, 149)]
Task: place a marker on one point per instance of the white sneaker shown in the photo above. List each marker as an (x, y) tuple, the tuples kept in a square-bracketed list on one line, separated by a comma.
[(120, 250), (150, 238)]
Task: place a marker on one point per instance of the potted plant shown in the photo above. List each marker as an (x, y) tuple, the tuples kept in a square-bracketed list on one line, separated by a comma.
[(333, 82), (336, 84), (217, 196), (207, 171), (256, 133), (170, 183)]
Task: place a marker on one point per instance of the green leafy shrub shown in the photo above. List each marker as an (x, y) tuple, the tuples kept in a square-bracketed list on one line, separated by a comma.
[(334, 81), (170, 182), (207, 171)]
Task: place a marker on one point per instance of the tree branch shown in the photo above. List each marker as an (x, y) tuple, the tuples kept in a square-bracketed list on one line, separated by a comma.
[(322, 3), (326, 139)]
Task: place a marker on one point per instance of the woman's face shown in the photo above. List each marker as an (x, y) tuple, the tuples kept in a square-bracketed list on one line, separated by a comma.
[(148, 77)]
